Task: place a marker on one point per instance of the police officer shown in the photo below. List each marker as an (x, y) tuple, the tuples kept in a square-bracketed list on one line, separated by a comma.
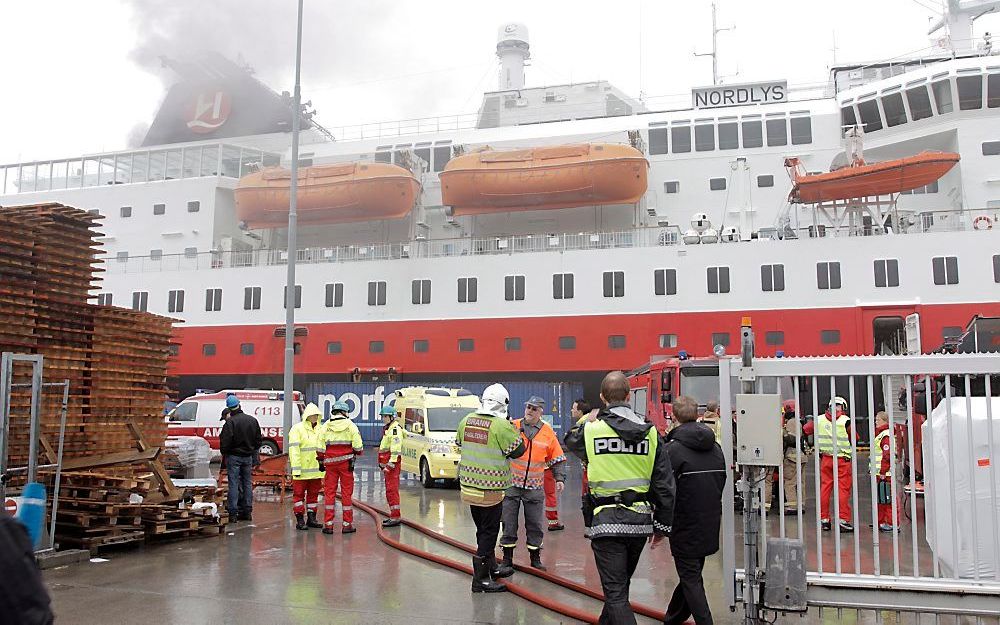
[(631, 490), (488, 440), (389, 460)]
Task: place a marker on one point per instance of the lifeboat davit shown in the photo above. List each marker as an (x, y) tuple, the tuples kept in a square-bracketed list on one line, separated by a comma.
[(563, 176), (327, 194), (868, 180)]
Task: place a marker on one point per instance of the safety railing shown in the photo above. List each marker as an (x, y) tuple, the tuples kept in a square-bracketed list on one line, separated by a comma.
[(907, 519)]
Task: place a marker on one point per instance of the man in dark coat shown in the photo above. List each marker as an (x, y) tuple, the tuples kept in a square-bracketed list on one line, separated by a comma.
[(700, 475), (23, 598), (239, 443)]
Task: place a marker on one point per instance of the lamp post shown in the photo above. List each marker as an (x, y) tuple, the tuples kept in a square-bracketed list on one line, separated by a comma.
[(292, 235)]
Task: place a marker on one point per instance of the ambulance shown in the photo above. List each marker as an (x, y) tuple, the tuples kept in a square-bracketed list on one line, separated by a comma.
[(430, 417), (201, 415)]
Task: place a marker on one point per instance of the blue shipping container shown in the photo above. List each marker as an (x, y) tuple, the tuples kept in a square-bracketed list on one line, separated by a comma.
[(367, 398)]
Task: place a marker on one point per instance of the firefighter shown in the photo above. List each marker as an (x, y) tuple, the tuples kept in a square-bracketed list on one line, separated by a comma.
[(881, 461), (304, 440), (553, 488), (834, 432), (543, 454), (389, 460), (487, 440), (341, 444), (631, 489)]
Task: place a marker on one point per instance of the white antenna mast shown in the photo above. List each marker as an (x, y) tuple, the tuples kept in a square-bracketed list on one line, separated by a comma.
[(956, 22), (715, 47)]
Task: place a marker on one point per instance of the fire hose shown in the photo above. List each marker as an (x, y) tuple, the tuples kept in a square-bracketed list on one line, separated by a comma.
[(533, 597)]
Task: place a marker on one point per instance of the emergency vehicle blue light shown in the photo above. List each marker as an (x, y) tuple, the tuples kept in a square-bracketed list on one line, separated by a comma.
[(682, 354), (779, 354)]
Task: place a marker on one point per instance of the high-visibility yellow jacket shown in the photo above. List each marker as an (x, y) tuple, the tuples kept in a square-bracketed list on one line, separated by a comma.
[(304, 440), (391, 447)]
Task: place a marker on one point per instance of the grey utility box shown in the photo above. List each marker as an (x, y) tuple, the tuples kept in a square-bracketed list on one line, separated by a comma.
[(785, 575)]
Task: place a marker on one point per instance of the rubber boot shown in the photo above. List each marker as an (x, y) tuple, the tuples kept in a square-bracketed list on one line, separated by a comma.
[(311, 520), (328, 529), (348, 529), (300, 522), (506, 567), (391, 522), (481, 580), (536, 559)]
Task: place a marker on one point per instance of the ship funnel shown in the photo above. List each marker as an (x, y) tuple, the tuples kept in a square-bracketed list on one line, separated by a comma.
[(513, 51)]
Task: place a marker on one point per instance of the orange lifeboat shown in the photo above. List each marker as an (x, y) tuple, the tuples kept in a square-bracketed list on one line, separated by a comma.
[(327, 194), (863, 180), (561, 176)]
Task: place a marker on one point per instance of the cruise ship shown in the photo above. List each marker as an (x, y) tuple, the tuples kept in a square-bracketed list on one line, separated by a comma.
[(560, 231)]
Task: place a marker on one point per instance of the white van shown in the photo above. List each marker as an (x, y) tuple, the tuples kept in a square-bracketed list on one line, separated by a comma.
[(201, 415)]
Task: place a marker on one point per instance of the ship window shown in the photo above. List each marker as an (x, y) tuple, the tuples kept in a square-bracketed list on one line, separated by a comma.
[(718, 279), (335, 295), (774, 337), (668, 340), (123, 256), (847, 118), (468, 290), (513, 288), (383, 157), (194, 206), (190, 252), (657, 140), (251, 298), (424, 154), (765, 181), (298, 297), (729, 136), (421, 346), (208, 349), (772, 277), (704, 138), (996, 275), (886, 272), (970, 92), (717, 184), (990, 148), (442, 154), (174, 349), (155, 254), (562, 286), (871, 119), (159, 209), (175, 301), (376, 293), (567, 342), (942, 96), (753, 135), (420, 291), (829, 337), (376, 347), (334, 347), (828, 275), (920, 103), (777, 132), (665, 281), (801, 129), (213, 300), (140, 300), (720, 338), (672, 186), (680, 137), (614, 284), (106, 299), (126, 211), (895, 113), (616, 341), (466, 345), (512, 344), (246, 349), (945, 269), (993, 91)]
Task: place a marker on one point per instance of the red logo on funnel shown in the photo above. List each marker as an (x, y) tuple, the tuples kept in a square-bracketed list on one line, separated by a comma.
[(209, 112)]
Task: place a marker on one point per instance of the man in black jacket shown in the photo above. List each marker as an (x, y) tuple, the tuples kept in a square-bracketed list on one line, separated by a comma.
[(23, 598), (240, 443), (700, 473)]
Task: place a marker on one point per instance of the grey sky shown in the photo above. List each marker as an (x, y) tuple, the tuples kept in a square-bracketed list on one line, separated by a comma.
[(81, 75)]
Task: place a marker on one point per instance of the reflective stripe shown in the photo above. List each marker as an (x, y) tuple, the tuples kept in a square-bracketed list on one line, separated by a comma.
[(298, 503), (311, 506), (394, 507), (490, 456), (552, 509), (615, 529), (660, 527), (296, 468), (337, 459), (293, 444), (348, 507), (534, 548), (620, 484), (557, 460), (309, 448)]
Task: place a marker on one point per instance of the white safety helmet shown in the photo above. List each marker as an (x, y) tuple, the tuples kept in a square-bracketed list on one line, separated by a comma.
[(495, 400), (840, 401)]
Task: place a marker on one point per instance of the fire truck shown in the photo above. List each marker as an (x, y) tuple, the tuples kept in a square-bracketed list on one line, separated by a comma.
[(655, 385)]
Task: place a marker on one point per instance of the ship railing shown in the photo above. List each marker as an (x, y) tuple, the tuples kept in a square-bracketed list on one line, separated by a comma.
[(903, 222)]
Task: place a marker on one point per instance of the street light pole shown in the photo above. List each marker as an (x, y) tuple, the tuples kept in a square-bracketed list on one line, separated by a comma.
[(292, 235)]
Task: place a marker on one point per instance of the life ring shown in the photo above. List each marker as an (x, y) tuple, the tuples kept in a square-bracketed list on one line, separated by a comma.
[(978, 223)]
